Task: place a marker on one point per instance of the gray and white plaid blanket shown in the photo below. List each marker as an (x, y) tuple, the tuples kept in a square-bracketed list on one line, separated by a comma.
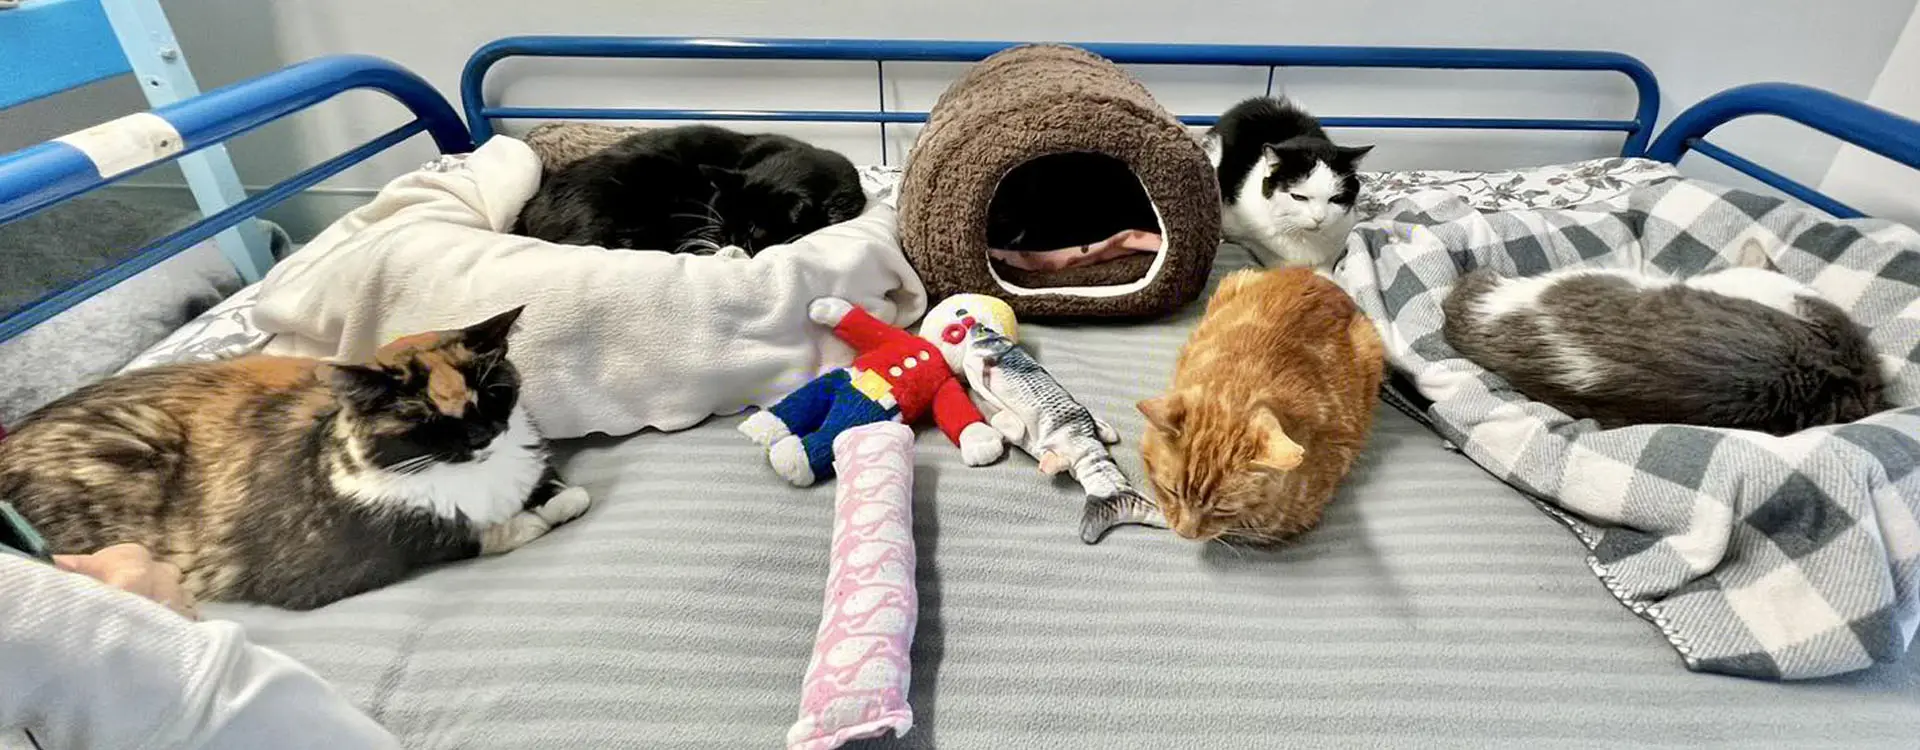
[(1776, 557)]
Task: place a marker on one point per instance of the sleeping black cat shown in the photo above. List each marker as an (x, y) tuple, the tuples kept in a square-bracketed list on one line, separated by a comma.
[(694, 189)]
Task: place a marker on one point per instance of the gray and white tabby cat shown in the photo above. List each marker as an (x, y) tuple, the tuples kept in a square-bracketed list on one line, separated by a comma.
[(1286, 191), (1745, 347)]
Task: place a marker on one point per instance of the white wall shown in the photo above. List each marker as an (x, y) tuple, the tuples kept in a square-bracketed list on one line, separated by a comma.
[(1697, 47), (1865, 180)]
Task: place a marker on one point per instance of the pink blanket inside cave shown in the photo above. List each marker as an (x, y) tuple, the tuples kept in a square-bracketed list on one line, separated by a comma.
[(1120, 245)]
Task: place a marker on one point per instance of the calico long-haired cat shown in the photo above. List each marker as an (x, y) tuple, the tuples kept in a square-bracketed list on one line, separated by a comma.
[(1287, 191), (293, 482), (694, 189), (1272, 402), (1745, 347)]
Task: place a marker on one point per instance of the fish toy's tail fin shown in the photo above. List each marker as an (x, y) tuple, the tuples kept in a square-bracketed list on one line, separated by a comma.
[(1122, 508)]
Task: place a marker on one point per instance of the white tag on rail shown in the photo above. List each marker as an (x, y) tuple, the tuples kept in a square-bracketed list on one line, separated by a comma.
[(119, 146)]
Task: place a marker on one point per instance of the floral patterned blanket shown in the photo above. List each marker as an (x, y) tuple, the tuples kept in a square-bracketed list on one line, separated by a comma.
[(1556, 186)]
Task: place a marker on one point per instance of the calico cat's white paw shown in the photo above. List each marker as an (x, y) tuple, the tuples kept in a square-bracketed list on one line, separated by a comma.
[(565, 505), (513, 533), (528, 525)]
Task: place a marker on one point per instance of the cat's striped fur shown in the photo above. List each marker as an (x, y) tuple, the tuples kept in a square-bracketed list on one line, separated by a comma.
[(1271, 404)]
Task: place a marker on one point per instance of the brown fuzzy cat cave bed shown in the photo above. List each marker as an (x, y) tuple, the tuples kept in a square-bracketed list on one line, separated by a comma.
[(1045, 147)]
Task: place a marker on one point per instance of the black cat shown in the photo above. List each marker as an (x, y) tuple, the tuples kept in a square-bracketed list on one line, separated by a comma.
[(694, 189)]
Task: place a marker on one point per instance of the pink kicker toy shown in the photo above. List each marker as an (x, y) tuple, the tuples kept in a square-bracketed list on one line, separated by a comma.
[(856, 684)]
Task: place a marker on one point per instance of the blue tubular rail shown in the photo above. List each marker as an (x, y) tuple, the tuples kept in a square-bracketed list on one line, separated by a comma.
[(41, 175), (882, 51), (1863, 125)]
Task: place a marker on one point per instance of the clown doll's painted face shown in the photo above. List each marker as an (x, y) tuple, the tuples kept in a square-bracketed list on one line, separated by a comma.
[(946, 325)]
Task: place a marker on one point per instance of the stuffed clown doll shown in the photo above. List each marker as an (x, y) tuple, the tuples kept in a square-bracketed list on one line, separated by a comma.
[(895, 376)]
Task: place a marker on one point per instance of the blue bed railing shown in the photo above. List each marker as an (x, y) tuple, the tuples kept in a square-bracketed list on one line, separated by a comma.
[(39, 176), (1863, 125), (480, 114)]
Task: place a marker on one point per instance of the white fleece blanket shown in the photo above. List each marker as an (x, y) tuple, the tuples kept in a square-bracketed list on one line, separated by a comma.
[(612, 341)]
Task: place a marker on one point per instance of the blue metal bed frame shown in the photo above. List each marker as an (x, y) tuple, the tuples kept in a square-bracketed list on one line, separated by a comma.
[(882, 51), (47, 173), (1863, 125)]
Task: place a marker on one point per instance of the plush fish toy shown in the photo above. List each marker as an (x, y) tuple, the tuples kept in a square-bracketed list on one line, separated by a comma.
[(1039, 416)]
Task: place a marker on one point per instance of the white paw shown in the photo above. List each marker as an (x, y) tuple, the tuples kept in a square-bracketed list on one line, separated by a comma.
[(789, 459), (764, 428), (513, 533), (564, 506)]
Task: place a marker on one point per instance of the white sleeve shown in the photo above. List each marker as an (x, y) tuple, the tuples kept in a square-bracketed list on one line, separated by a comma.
[(90, 666)]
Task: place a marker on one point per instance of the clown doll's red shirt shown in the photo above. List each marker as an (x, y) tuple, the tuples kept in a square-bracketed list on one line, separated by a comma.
[(892, 363)]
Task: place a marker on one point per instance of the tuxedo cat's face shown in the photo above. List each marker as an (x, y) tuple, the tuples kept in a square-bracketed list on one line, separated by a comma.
[(430, 398), (758, 209), (1305, 184)]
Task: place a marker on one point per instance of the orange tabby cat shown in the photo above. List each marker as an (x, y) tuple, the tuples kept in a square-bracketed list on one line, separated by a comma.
[(1272, 401)]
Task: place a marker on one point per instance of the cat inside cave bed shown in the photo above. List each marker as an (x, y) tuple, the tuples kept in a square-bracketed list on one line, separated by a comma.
[(1075, 219)]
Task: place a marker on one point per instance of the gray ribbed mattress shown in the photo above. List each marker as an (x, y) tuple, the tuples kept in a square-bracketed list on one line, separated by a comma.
[(1435, 608)]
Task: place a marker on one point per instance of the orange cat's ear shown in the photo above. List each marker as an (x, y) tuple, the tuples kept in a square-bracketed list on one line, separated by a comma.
[(1164, 412), (1280, 453)]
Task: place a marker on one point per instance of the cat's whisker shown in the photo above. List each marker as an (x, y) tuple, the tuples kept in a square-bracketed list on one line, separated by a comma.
[(487, 373), (699, 245), (413, 465), (1236, 549), (1250, 535)]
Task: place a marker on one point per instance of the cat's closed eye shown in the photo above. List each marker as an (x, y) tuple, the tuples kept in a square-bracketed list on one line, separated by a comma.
[(1298, 197)]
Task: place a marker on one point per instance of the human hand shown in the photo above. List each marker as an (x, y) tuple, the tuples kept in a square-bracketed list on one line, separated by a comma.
[(828, 311), (980, 444), (131, 568)]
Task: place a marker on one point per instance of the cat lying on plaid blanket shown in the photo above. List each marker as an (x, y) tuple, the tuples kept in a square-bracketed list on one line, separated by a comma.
[(1752, 554), (1743, 348)]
